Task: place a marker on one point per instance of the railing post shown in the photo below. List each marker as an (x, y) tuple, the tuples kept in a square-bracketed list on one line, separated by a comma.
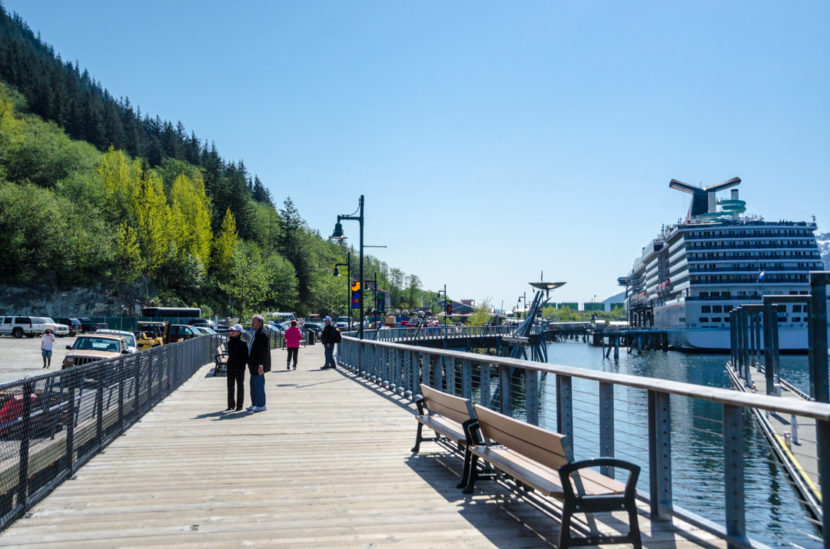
[(734, 471), (121, 395), (817, 333), (70, 415), (532, 396), (466, 379), (505, 389), (26, 432), (823, 445), (439, 373), (484, 383), (565, 407), (770, 326), (99, 402), (449, 375), (659, 454), (606, 424)]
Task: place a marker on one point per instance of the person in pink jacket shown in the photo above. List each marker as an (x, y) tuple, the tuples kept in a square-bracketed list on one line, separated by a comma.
[(293, 336)]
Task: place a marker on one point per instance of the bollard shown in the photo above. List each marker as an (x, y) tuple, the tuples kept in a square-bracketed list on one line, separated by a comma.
[(794, 428)]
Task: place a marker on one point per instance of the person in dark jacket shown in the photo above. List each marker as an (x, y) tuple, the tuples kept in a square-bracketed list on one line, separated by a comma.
[(329, 338), (259, 362), (237, 359)]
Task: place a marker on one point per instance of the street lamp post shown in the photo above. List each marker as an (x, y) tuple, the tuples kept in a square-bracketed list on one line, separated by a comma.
[(348, 265), (338, 235)]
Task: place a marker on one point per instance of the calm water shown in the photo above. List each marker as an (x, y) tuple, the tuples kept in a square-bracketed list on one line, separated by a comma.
[(773, 513)]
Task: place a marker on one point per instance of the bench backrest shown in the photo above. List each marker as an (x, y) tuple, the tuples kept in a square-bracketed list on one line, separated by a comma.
[(534, 442), (445, 404)]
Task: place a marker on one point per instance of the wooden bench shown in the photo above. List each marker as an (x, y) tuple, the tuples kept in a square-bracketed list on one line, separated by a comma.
[(537, 458), (447, 415), (220, 361)]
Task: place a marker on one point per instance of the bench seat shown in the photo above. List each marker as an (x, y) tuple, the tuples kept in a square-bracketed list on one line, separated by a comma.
[(543, 479), (446, 415), (541, 460)]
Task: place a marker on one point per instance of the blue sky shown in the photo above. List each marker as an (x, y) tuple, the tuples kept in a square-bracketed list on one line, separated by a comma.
[(492, 140)]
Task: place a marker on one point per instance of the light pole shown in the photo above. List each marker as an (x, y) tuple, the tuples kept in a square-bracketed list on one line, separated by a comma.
[(446, 302), (338, 235), (348, 265)]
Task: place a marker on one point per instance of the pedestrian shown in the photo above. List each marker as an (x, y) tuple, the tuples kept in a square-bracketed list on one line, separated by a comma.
[(329, 338), (47, 341), (237, 359), (259, 362), (293, 336)]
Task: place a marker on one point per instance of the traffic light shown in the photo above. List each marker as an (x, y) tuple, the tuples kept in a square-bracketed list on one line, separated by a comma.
[(449, 307)]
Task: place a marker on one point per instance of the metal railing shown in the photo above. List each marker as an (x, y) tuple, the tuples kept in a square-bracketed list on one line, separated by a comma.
[(431, 333), (50, 425), (605, 414)]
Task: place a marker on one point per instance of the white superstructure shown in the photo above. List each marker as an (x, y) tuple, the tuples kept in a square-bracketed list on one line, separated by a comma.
[(694, 273)]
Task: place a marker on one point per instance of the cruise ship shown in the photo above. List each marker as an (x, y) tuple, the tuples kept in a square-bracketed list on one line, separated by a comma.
[(695, 272)]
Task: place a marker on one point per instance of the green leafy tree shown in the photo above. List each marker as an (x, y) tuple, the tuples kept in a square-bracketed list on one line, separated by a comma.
[(481, 316), (153, 222), (129, 264), (224, 246), (191, 218)]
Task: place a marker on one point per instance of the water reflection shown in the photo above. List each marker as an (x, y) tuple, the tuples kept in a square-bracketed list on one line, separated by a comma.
[(774, 514)]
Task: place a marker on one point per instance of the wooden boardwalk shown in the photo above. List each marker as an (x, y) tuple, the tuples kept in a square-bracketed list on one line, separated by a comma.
[(328, 465)]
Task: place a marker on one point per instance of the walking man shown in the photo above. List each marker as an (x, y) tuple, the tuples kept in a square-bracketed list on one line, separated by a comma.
[(293, 336), (259, 362), (329, 337), (47, 341)]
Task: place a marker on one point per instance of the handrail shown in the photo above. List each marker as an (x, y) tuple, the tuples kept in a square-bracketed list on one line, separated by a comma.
[(815, 410)]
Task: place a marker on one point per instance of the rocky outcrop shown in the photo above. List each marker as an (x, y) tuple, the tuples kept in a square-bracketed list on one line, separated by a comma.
[(45, 300)]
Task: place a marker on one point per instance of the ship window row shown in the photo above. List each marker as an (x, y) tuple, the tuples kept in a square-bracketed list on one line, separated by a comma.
[(745, 279), (733, 244), (726, 319), (708, 255), (748, 233)]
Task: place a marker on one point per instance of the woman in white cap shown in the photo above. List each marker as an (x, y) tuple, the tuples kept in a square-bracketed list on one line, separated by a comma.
[(237, 359)]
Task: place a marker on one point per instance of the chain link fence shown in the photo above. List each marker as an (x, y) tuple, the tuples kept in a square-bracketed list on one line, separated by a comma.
[(50, 425)]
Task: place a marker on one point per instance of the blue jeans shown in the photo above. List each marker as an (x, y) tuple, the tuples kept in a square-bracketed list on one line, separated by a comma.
[(258, 390), (330, 355)]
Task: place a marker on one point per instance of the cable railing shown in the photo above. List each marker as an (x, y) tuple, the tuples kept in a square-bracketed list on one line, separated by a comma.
[(645, 420), (50, 425)]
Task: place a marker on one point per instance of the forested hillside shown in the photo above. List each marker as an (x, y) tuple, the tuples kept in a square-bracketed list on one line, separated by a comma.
[(92, 192)]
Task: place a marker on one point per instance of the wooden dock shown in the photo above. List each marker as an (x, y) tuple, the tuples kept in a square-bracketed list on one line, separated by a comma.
[(328, 465)]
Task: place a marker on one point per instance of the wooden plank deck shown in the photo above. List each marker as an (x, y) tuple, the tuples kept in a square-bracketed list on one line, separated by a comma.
[(328, 465)]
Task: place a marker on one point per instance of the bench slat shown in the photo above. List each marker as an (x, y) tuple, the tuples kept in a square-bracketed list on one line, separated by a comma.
[(446, 427), (449, 406), (540, 445)]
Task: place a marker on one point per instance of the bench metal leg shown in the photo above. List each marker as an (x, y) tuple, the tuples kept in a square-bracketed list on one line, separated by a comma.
[(465, 474), (418, 438)]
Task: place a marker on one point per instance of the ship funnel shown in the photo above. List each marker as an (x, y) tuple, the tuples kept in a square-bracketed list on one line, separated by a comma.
[(703, 199), (735, 194)]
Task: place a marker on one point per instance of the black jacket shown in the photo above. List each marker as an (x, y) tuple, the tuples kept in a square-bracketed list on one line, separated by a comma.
[(260, 353), (237, 354), (329, 335)]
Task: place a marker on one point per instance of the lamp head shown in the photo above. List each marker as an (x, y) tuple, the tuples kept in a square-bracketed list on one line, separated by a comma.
[(336, 271), (338, 232)]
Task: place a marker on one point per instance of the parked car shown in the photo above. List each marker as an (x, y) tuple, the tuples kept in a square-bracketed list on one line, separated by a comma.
[(90, 326), (204, 330), (342, 322), (94, 347), (74, 325), (178, 332), (129, 338), (61, 330), (18, 326)]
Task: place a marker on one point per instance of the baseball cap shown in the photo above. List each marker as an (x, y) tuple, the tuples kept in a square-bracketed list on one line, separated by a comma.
[(237, 328), (328, 318)]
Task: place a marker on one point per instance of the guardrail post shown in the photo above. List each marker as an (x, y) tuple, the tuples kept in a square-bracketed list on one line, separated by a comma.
[(770, 350), (565, 408), (121, 395), (823, 445), (439, 373), (606, 424), (659, 455), (532, 396), (26, 428), (137, 385), (70, 414), (484, 374), (505, 389), (449, 373), (733, 459), (817, 333), (99, 402), (407, 375), (466, 379)]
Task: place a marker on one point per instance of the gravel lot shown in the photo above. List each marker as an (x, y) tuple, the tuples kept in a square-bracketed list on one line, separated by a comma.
[(20, 358)]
